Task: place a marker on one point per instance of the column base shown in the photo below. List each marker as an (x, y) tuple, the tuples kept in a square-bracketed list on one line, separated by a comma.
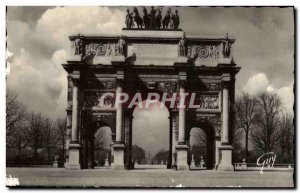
[(118, 58), (73, 163), (226, 158), (70, 166), (182, 157), (55, 164), (118, 157), (182, 59)]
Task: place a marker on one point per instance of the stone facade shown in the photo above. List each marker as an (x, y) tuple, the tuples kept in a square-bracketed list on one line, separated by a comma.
[(149, 61)]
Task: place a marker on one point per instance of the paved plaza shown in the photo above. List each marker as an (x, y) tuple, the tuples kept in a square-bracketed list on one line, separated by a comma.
[(148, 177)]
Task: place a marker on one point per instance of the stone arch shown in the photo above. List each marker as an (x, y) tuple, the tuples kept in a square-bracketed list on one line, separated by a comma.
[(166, 110), (209, 135), (93, 121)]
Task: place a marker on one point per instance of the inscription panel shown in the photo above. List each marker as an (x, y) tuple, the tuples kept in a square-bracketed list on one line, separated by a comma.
[(152, 50)]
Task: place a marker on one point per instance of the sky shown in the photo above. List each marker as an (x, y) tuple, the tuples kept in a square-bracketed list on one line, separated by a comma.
[(37, 45)]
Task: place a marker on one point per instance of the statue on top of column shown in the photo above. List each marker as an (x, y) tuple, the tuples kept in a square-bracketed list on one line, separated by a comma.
[(78, 45), (181, 46), (120, 48), (226, 47)]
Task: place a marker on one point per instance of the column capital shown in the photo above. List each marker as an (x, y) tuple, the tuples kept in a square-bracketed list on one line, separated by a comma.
[(181, 83), (75, 81), (119, 83), (225, 77), (69, 110), (120, 74), (226, 84), (75, 77)]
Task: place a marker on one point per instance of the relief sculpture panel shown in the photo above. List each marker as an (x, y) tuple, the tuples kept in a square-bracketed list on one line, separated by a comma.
[(101, 49), (92, 99), (209, 101), (204, 51)]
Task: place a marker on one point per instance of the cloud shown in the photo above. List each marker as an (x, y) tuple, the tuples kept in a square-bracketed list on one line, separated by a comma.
[(256, 84), (259, 83), (36, 73), (287, 95), (58, 23), (38, 88)]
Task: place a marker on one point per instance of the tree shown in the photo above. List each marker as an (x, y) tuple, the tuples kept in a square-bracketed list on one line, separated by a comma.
[(17, 138), (237, 137), (61, 132), (50, 137), (15, 111), (162, 155), (246, 109), (138, 154), (286, 137), (34, 131), (266, 132)]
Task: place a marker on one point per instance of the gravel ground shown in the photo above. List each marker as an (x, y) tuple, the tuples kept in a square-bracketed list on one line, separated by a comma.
[(154, 177)]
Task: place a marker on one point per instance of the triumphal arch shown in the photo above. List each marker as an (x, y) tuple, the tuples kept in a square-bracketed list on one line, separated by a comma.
[(150, 58)]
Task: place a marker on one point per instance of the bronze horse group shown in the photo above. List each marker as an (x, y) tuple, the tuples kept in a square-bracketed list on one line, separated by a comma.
[(152, 20)]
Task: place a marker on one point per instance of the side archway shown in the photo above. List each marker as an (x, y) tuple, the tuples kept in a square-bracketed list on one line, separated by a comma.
[(102, 142)]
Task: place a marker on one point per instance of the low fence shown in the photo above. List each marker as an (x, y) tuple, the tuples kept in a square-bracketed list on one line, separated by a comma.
[(26, 163), (254, 167)]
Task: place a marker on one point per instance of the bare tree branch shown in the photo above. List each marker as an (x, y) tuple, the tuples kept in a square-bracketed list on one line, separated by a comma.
[(15, 111), (266, 132), (246, 108), (286, 137)]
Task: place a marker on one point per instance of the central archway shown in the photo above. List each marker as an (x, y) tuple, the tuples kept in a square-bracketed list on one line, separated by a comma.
[(202, 147), (150, 136)]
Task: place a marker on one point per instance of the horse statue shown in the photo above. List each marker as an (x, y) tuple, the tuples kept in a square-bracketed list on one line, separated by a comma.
[(152, 17), (146, 19), (158, 20), (175, 19), (137, 18), (167, 19)]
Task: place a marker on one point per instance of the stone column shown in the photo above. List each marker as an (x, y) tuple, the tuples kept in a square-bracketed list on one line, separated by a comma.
[(169, 160), (182, 148), (217, 145), (128, 141), (68, 132), (119, 144), (181, 122), (225, 114), (225, 148), (74, 144), (69, 118), (174, 138)]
